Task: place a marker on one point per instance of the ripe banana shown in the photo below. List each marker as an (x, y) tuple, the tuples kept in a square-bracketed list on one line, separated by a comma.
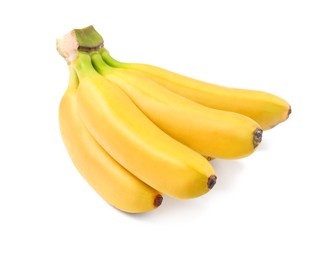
[(114, 183), (135, 141), (267, 109), (211, 132)]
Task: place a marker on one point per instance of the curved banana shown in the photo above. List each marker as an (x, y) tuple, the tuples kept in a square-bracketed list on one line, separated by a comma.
[(265, 108), (135, 141), (110, 180), (211, 132)]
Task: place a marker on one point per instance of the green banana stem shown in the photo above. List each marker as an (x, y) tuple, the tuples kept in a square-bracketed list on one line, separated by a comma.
[(100, 66), (88, 38), (109, 60), (83, 65)]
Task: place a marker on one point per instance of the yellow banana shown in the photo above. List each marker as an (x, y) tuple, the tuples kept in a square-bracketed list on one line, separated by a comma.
[(211, 132), (135, 141), (265, 108), (110, 180)]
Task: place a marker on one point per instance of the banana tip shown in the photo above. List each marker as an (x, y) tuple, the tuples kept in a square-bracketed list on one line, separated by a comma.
[(211, 181), (257, 137), (289, 112), (158, 200)]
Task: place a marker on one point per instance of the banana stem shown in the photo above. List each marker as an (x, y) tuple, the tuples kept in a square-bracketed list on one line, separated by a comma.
[(99, 64), (83, 65), (109, 60), (86, 40)]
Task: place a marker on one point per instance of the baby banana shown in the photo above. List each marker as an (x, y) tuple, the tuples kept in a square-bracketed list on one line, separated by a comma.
[(114, 183), (211, 132), (265, 108), (132, 139)]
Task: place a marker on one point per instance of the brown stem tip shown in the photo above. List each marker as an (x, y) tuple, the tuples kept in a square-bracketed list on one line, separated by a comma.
[(158, 200), (289, 112), (211, 181), (257, 137)]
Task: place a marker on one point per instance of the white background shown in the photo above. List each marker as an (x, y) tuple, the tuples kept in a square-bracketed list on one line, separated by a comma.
[(266, 206)]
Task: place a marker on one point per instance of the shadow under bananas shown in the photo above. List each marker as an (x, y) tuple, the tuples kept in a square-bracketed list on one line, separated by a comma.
[(172, 209), (226, 172)]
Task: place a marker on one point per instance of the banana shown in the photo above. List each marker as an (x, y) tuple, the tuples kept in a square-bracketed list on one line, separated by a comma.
[(265, 108), (211, 132), (108, 178), (133, 140)]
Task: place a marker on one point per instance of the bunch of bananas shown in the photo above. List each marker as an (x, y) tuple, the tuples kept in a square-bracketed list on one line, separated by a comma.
[(136, 131)]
